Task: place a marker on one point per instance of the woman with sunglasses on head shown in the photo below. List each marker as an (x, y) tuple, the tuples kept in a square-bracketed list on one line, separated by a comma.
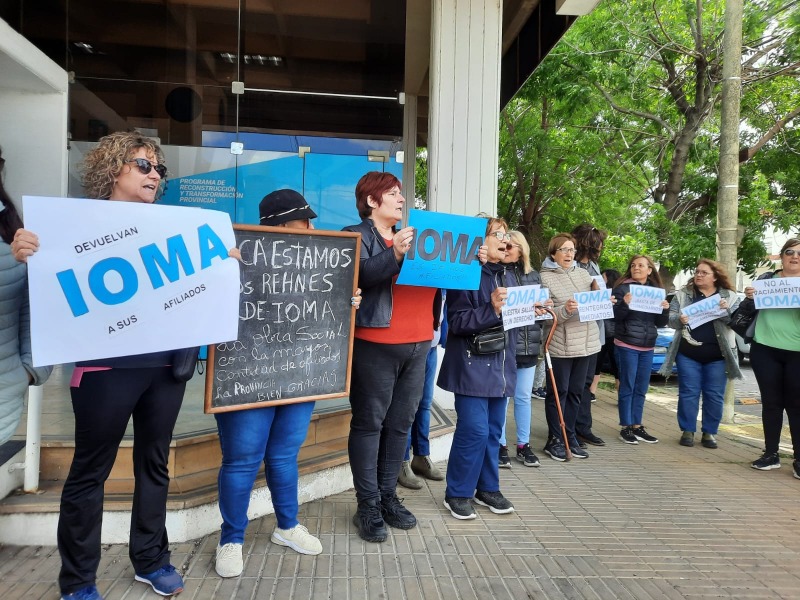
[(705, 355), (16, 367), (482, 375), (635, 334), (572, 346), (518, 257), (775, 358), (106, 393)]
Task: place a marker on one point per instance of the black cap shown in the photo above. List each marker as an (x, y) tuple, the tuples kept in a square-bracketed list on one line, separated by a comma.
[(281, 206)]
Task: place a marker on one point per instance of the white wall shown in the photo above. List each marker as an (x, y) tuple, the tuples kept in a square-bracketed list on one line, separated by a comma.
[(33, 118)]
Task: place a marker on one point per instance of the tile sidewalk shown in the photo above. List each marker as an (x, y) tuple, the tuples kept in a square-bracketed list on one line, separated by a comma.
[(631, 522)]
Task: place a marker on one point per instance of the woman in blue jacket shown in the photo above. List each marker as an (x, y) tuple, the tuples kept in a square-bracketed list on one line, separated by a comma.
[(635, 338), (481, 383)]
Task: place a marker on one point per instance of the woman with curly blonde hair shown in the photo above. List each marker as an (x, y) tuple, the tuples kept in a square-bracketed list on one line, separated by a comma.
[(106, 393)]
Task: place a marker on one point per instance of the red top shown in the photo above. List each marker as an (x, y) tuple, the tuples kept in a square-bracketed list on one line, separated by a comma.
[(412, 316)]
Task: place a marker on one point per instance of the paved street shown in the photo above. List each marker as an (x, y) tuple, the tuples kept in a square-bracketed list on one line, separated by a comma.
[(639, 522)]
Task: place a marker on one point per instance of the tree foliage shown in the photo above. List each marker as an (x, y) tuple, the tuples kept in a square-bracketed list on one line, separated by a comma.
[(620, 127)]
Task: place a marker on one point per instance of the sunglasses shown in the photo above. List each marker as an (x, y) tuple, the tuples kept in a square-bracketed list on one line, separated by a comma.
[(791, 252), (145, 166)]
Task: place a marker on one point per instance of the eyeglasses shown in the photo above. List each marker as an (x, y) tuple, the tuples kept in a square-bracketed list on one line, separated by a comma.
[(503, 237), (145, 166), (791, 252), (566, 250), (703, 273)]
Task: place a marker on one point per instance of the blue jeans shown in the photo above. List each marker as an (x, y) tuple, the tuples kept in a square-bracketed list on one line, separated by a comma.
[(246, 439), (476, 443), (694, 378), (421, 427), (634, 379), (522, 406)]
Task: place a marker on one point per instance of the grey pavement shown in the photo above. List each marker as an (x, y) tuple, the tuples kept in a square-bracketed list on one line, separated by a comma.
[(631, 522)]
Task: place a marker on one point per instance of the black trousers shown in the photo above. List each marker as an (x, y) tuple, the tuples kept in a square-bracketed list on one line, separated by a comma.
[(583, 422), (570, 376), (778, 375), (103, 404), (385, 390)]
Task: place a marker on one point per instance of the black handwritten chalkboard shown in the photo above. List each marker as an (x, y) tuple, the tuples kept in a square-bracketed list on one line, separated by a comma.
[(295, 320)]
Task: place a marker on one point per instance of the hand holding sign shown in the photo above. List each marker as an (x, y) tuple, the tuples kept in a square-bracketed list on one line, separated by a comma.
[(523, 305), (401, 242), (646, 298), (443, 251), (705, 310), (595, 305)]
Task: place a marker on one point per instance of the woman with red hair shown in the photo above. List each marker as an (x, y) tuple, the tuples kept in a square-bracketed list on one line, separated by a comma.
[(394, 329)]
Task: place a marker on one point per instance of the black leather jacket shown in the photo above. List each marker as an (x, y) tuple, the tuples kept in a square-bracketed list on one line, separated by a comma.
[(377, 267)]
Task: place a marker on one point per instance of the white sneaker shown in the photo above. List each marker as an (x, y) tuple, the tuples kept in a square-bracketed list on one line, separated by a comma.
[(229, 561), (298, 539)]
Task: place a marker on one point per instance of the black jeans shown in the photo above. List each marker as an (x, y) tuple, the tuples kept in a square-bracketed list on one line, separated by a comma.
[(103, 405), (570, 376), (778, 375), (385, 390), (583, 422)]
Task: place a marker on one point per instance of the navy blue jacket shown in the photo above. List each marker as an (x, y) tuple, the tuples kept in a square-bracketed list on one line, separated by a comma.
[(633, 326), (470, 312), (376, 268)]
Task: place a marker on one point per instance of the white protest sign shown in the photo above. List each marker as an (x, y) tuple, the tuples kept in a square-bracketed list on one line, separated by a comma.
[(594, 305), (601, 284), (704, 311), (646, 298), (782, 292), (518, 310), (121, 278)]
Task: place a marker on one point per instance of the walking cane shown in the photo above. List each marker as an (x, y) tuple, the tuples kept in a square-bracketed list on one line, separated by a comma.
[(549, 365)]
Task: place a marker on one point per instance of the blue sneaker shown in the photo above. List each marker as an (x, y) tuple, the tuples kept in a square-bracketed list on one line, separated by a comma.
[(88, 593), (166, 581)]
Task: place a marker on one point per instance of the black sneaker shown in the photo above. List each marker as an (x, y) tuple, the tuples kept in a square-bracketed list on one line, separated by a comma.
[(577, 451), (369, 521), (460, 508), (555, 449), (796, 469), (767, 462), (626, 435), (590, 438), (495, 501), (592, 397), (539, 393), (526, 456), (395, 514), (640, 434), (504, 462)]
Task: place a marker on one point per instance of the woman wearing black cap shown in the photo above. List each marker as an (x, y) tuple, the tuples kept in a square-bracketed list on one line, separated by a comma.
[(246, 438)]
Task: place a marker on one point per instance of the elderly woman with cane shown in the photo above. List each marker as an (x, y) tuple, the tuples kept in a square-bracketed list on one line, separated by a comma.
[(574, 342)]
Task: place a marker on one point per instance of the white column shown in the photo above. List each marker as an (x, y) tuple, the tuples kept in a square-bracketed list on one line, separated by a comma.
[(409, 152), (464, 105)]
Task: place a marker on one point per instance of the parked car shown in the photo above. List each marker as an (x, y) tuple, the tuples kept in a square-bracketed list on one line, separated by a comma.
[(664, 339)]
